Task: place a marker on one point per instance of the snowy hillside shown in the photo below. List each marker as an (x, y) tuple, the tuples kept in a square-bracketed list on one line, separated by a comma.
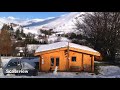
[(19, 21), (1, 24), (63, 23)]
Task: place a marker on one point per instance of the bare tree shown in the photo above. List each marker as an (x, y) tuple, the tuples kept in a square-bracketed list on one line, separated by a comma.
[(102, 30)]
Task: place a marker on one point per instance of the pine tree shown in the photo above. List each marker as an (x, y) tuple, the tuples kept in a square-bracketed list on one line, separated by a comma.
[(11, 28), (17, 32), (22, 31), (5, 27)]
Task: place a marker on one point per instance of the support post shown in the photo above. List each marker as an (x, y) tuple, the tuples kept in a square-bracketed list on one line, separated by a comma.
[(68, 56), (0, 61), (92, 63)]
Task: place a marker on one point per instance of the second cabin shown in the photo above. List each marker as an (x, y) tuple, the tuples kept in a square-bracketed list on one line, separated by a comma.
[(66, 56)]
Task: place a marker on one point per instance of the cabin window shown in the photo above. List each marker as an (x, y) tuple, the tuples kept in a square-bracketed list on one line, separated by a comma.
[(52, 61), (57, 61), (74, 59)]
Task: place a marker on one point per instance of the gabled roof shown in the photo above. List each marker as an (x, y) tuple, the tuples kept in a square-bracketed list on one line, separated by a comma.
[(58, 45)]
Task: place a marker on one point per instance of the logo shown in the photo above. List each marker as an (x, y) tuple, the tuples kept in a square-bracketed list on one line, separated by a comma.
[(16, 71)]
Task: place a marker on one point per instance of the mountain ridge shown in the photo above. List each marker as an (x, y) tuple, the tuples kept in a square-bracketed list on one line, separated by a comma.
[(64, 23)]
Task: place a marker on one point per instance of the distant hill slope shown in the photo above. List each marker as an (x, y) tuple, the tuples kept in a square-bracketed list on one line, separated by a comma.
[(64, 23)]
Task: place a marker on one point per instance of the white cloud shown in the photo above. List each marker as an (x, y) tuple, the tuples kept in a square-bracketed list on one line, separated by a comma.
[(10, 17), (50, 17)]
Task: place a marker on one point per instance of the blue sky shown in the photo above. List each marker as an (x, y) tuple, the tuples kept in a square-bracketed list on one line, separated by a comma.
[(31, 15)]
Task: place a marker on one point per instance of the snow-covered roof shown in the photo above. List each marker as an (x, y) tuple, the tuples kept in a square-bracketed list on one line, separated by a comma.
[(21, 51), (32, 47), (20, 48), (58, 45)]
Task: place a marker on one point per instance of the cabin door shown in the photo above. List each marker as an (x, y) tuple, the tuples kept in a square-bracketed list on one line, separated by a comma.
[(54, 62), (87, 63)]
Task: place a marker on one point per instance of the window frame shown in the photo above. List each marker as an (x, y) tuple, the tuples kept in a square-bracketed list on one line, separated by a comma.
[(73, 59), (52, 62), (58, 62)]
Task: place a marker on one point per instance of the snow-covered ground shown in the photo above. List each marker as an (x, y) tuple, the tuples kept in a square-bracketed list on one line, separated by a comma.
[(109, 71), (105, 72)]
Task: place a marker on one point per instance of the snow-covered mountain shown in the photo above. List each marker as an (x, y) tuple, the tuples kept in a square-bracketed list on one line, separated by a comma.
[(19, 21), (64, 23)]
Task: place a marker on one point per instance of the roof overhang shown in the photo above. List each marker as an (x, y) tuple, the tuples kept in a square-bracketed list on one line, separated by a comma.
[(71, 49)]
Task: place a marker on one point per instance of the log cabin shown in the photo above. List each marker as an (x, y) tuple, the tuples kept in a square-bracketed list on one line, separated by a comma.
[(66, 56)]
